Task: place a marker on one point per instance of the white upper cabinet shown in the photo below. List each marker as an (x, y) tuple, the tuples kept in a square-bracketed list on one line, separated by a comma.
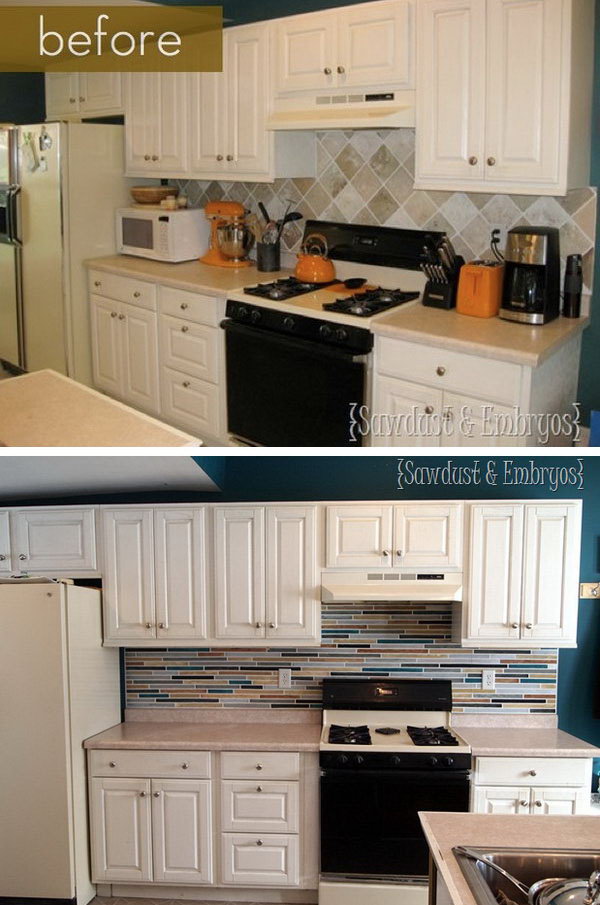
[(523, 586), (359, 536), (369, 45), (62, 94), (156, 124), (83, 94), (181, 580), (239, 573), (128, 574), (503, 95), (207, 122), (247, 100), (56, 541), (292, 581), (5, 563)]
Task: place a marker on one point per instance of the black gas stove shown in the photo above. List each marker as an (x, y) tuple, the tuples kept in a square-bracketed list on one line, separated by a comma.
[(373, 301), (280, 290)]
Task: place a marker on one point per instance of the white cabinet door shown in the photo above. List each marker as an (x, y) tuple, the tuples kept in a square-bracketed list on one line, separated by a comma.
[(551, 572), (292, 589), (248, 143), (100, 92), (190, 403), (180, 558), (524, 78), (239, 547), (5, 560), (106, 350), (495, 572), (260, 807), (189, 348), (128, 574), (120, 830), (560, 802), (250, 859), (55, 540), (450, 89), (473, 422), (207, 122), (182, 831), (139, 351), (374, 45), (62, 94), (171, 117), (408, 414), (501, 800), (428, 535), (141, 90), (306, 48), (359, 536)]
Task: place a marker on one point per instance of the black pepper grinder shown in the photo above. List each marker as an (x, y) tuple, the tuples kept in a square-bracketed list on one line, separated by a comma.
[(572, 287)]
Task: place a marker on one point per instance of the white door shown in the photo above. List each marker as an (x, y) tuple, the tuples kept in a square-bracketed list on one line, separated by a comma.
[(182, 830), (306, 48), (55, 540), (375, 45), (139, 350), (560, 802), (254, 859), (141, 101), (495, 572), (208, 122), (524, 78), (501, 800), (472, 422), (239, 546), (260, 807), (5, 562), (409, 414), (551, 572), (292, 589), (450, 89), (128, 574), (189, 348), (428, 535), (120, 830), (359, 536), (100, 92), (171, 138), (190, 403), (62, 94), (106, 349), (180, 558), (247, 68)]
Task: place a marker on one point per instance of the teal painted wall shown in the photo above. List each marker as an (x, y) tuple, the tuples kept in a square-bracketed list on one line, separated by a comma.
[(22, 97)]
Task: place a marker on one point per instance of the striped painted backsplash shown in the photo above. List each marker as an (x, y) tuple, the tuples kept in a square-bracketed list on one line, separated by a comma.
[(368, 639)]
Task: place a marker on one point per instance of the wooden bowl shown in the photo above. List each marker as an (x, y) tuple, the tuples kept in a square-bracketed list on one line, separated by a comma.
[(152, 194)]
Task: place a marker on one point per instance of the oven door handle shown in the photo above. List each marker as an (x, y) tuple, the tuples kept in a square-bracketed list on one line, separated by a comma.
[(299, 345), (435, 777)]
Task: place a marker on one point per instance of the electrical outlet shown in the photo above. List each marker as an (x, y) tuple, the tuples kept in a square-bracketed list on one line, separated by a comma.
[(488, 680), (589, 590), (285, 678)]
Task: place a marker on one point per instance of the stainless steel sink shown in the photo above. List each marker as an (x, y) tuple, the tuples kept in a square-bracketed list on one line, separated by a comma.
[(527, 865)]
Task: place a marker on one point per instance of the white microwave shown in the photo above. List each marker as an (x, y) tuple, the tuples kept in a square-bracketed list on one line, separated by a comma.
[(162, 235)]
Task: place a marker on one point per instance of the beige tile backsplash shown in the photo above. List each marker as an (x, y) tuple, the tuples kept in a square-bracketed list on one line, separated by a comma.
[(367, 176)]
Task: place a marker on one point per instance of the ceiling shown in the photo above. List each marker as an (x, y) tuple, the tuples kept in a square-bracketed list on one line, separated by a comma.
[(24, 477)]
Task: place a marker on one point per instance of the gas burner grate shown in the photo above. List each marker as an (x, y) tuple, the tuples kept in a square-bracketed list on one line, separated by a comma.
[(372, 301), (349, 735), (426, 735), (286, 288)]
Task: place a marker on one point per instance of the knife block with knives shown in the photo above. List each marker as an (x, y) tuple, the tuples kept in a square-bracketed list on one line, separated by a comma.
[(442, 268)]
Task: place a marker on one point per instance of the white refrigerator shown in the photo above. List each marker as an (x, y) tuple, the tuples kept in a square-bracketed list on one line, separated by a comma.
[(60, 184), (58, 686)]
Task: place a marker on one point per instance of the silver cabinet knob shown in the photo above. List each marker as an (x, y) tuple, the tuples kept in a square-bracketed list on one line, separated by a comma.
[(385, 552), (161, 625), (142, 794), (341, 70), (81, 100), (113, 313), (155, 157), (146, 157), (538, 804), (473, 161), (514, 625), (258, 625), (398, 552), (259, 766), (533, 772), (121, 317), (259, 788), (183, 306), (491, 161), (440, 371), (523, 802), (71, 100), (156, 794), (136, 295), (112, 763), (230, 157), (429, 410), (22, 556), (219, 157), (97, 283), (327, 71), (185, 765), (184, 329), (148, 625), (2, 557), (271, 625), (259, 841), (186, 384), (528, 625)]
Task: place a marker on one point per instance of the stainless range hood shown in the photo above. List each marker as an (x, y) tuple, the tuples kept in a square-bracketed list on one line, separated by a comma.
[(383, 110), (424, 585)]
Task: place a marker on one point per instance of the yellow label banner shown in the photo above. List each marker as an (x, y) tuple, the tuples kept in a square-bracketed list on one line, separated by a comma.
[(111, 38)]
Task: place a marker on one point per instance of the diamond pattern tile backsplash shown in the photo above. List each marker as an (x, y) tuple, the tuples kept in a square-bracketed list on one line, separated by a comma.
[(366, 176)]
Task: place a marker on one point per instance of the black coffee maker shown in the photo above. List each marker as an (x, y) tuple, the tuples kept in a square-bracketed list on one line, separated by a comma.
[(531, 293)]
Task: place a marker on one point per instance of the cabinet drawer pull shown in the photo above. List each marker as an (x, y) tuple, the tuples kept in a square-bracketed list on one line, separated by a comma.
[(183, 306), (71, 100), (533, 772), (186, 384), (22, 556), (385, 552), (82, 100), (259, 766), (121, 317), (514, 625), (523, 803), (492, 163), (185, 766), (399, 553), (142, 794), (473, 161), (538, 804), (161, 625), (429, 410), (219, 157), (440, 370), (2, 557), (112, 763), (341, 70), (155, 157), (146, 157), (259, 841), (327, 71), (259, 788), (271, 625), (97, 283), (230, 157), (148, 625), (184, 329), (113, 313), (156, 794), (136, 295), (259, 625), (528, 625)]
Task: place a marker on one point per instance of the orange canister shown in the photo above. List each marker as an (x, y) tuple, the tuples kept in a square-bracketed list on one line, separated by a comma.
[(480, 288)]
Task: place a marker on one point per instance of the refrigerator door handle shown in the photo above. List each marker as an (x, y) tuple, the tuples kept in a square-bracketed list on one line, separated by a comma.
[(12, 215)]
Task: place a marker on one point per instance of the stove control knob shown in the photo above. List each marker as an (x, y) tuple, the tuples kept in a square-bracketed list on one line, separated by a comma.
[(396, 761), (256, 315), (289, 323), (433, 761), (325, 331), (342, 760), (448, 761), (359, 760), (341, 335), (242, 312)]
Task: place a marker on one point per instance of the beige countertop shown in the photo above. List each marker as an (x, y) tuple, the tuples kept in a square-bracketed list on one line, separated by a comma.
[(513, 742), (209, 736), (445, 830), (45, 408)]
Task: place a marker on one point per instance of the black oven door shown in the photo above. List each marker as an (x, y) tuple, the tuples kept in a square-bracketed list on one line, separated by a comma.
[(283, 391), (369, 820)]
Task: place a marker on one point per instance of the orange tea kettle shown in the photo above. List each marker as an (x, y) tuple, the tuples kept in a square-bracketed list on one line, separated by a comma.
[(313, 265)]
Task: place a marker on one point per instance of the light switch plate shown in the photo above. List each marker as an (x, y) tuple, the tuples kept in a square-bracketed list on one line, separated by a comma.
[(285, 678), (488, 680), (587, 589)]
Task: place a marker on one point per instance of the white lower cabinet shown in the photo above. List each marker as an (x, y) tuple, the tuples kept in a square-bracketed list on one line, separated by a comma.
[(265, 860), (531, 785), (121, 830), (266, 807), (182, 831), (512, 800)]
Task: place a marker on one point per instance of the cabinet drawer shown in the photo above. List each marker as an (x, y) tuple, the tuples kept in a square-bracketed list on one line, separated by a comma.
[(259, 860), (260, 765), (183, 764), (189, 403), (531, 771), (136, 292), (447, 370), (191, 348), (190, 305), (266, 807)]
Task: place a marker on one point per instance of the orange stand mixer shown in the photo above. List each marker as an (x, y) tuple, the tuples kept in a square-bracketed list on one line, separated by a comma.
[(230, 238)]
